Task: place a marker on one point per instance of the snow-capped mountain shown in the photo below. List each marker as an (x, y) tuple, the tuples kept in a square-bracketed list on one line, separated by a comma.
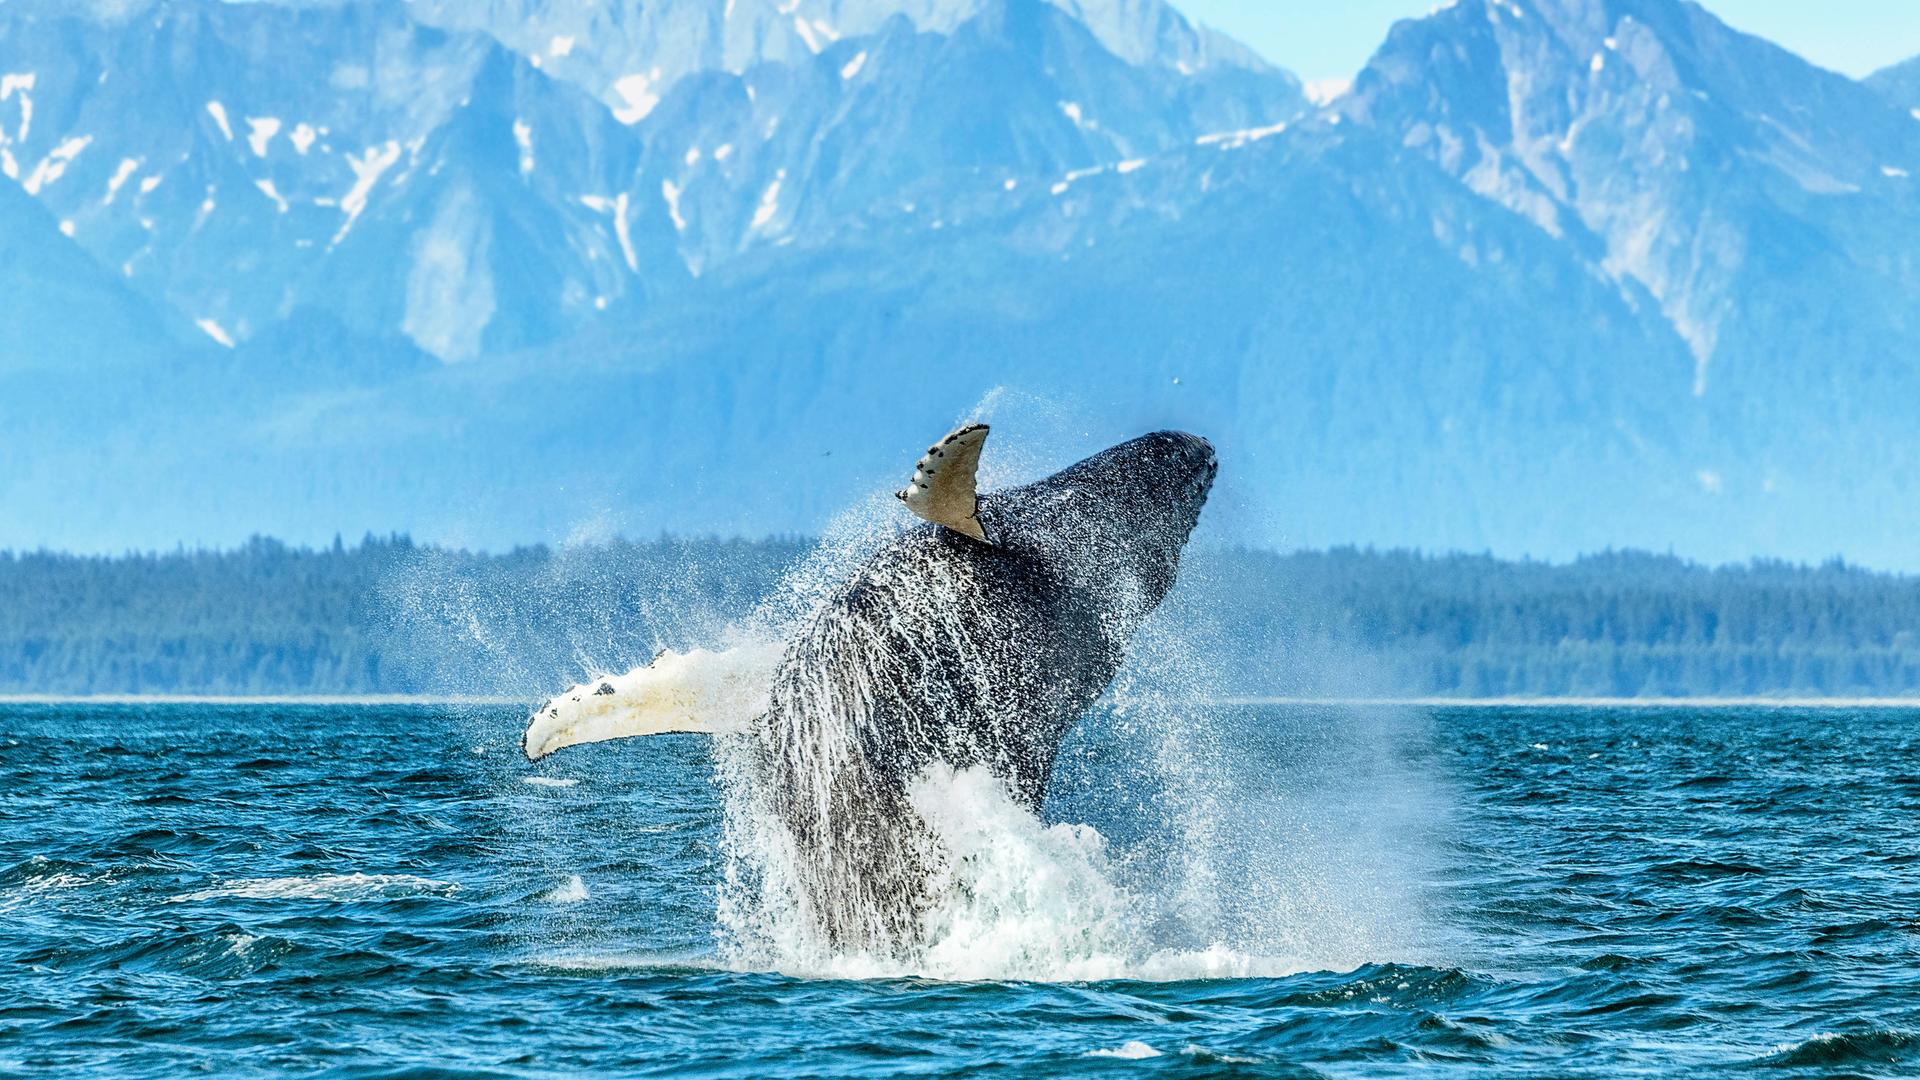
[(1693, 159), (905, 127), (632, 53), (488, 271), (240, 161)]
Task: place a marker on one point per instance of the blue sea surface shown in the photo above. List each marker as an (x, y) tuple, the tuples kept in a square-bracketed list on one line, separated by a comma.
[(384, 891)]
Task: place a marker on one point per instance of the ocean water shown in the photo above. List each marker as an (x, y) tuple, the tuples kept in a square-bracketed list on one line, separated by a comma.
[(1292, 891)]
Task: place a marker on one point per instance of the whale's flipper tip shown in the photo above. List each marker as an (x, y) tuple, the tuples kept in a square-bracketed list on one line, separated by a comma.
[(942, 489), (696, 692)]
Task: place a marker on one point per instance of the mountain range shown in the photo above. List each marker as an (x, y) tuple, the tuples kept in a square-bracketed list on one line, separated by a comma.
[(1550, 276)]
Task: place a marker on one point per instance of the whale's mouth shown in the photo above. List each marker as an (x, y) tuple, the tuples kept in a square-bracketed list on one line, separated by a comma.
[(1178, 469), (1205, 465)]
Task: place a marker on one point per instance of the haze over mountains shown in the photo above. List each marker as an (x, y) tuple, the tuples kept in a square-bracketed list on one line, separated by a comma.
[(1554, 275)]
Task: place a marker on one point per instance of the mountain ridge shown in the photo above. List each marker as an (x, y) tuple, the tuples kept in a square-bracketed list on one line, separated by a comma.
[(1899, 83)]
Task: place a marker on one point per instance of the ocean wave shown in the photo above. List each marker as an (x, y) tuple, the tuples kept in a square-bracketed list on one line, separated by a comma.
[(38, 876), (337, 888), (1881, 1046)]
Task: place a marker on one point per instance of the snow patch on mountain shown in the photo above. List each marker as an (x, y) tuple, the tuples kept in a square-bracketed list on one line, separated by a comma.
[(523, 138), (769, 206), (260, 132), (126, 169), (615, 208), (219, 114), (367, 170), (637, 92), (670, 192), (266, 188), (450, 290), (54, 165), (215, 331), (1234, 140), (20, 84), (1324, 92)]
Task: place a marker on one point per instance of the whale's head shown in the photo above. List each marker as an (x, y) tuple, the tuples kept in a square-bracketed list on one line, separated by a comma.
[(1116, 522)]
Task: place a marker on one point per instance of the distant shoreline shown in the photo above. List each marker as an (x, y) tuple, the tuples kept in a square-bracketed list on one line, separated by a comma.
[(255, 699), (1337, 702), (1593, 702)]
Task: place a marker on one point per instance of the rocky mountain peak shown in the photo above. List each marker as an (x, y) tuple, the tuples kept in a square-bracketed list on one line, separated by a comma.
[(1676, 144)]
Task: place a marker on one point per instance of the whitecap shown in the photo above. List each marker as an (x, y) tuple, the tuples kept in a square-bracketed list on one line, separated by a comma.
[(329, 887), (34, 886), (571, 891), (549, 781), (1131, 1050), (1195, 1051)]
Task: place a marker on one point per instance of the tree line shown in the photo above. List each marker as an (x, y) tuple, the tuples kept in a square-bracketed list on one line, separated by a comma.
[(388, 616)]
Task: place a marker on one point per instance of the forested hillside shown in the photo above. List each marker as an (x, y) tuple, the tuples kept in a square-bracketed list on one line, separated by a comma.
[(389, 616), (1624, 624)]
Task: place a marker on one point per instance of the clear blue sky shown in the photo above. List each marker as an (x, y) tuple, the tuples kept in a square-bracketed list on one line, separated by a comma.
[(1321, 39)]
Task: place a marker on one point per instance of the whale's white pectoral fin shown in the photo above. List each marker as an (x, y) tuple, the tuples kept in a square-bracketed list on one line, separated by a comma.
[(696, 692), (942, 488)]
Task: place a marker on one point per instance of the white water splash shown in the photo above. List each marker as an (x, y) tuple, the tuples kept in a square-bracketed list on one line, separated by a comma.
[(1016, 899), (1132, 1050), (1010, 896), (1244, 875), (571, 891), (1254, 869)]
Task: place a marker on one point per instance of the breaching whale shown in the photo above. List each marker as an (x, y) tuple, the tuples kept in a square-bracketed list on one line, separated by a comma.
[(975, 640)]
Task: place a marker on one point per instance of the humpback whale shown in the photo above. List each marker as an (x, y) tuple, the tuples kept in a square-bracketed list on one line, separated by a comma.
[(976, 639)]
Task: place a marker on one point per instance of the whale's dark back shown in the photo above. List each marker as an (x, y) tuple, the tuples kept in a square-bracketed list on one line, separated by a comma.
[(944, 649)]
